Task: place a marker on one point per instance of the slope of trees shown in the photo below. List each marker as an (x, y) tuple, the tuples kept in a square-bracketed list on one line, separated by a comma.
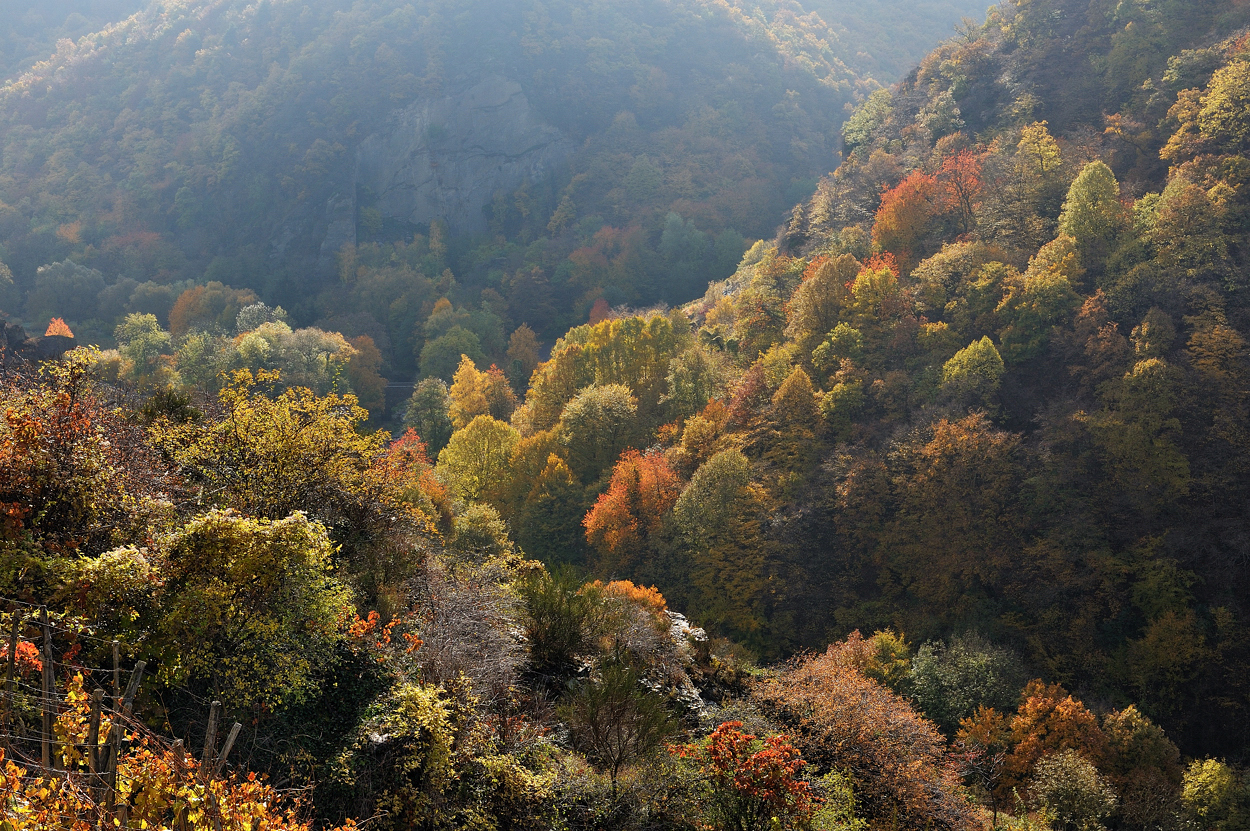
[(193, 144), (983, 396)]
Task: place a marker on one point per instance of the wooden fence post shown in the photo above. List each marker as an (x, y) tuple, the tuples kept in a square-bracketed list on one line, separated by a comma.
[(226, 748), (93, 744), (115, 735), (210, 741), (117, 676)]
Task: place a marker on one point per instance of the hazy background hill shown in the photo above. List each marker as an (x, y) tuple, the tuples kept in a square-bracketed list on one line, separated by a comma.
[(553, 154), (30, 30)]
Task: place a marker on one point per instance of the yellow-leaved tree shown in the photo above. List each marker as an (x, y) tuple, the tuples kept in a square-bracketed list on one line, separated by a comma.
[(269, 456)]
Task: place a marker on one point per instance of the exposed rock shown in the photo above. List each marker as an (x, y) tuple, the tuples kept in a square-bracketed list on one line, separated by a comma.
[(16, 345), (340, 230), (447, 157)]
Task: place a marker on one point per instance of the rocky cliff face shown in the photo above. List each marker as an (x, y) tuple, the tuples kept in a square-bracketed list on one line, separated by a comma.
[(447, 157)]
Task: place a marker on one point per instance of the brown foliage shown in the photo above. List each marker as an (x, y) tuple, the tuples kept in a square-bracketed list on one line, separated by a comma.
[(74, 475), (841, 720), (1049, 721), (364, 376), (212, 306)]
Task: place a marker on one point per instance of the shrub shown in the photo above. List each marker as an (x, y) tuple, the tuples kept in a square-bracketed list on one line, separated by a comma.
[(950, 681), (1071, 791)]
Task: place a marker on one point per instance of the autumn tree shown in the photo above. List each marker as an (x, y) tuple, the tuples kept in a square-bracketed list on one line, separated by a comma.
[(719, 516), (549, 520), (794, 416), (596, 426), (696, 376), (885, 658), (1038, 301), (427, 413), (58, 328), (1049, 721), (1143, 765), (1221, 118), (974, 373), (817, 302), (984, 737), (841, 720), (213, 307), (523, 357), (642, 490), (633, 352), (1137, 431), (1072, 792), (75, 476), (960, 175), (752, 785), (468, 394), (143, 344), (474, 464), (904, 222), (252, 613), (271, 455), (955, 532), (166, 786), (364, 376), (1092, 214), (1214, 794)]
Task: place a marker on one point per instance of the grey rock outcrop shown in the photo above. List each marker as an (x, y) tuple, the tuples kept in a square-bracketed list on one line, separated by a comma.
[(17, 346), (445, 158)]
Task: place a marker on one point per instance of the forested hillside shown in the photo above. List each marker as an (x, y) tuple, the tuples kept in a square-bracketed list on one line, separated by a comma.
[(30, 30), (321, 157), (949, 477)]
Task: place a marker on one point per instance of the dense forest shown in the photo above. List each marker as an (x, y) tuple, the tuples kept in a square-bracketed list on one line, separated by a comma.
[(123, 154), (930, 512)]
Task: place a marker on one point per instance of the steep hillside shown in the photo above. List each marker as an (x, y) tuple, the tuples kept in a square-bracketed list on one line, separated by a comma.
[(30, 29), (549, 154), (1022, 306), (991, 378), (985, 396)]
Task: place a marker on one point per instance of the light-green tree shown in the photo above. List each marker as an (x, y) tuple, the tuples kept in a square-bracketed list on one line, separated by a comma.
[(974, 374), (1092, 214), (596, 427), (1073, 793), (474, 464), (142, 343), (1216, 796), (250, 609)]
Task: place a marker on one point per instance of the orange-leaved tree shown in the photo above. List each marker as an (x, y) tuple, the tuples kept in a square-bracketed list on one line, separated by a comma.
[(57, 327), (642, 490), (750, 784), (1049, 721), (960, 176), (75, 476), (904, 220)]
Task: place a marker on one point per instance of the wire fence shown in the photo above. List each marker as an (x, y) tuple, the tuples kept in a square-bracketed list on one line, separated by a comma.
[(30, 710)]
